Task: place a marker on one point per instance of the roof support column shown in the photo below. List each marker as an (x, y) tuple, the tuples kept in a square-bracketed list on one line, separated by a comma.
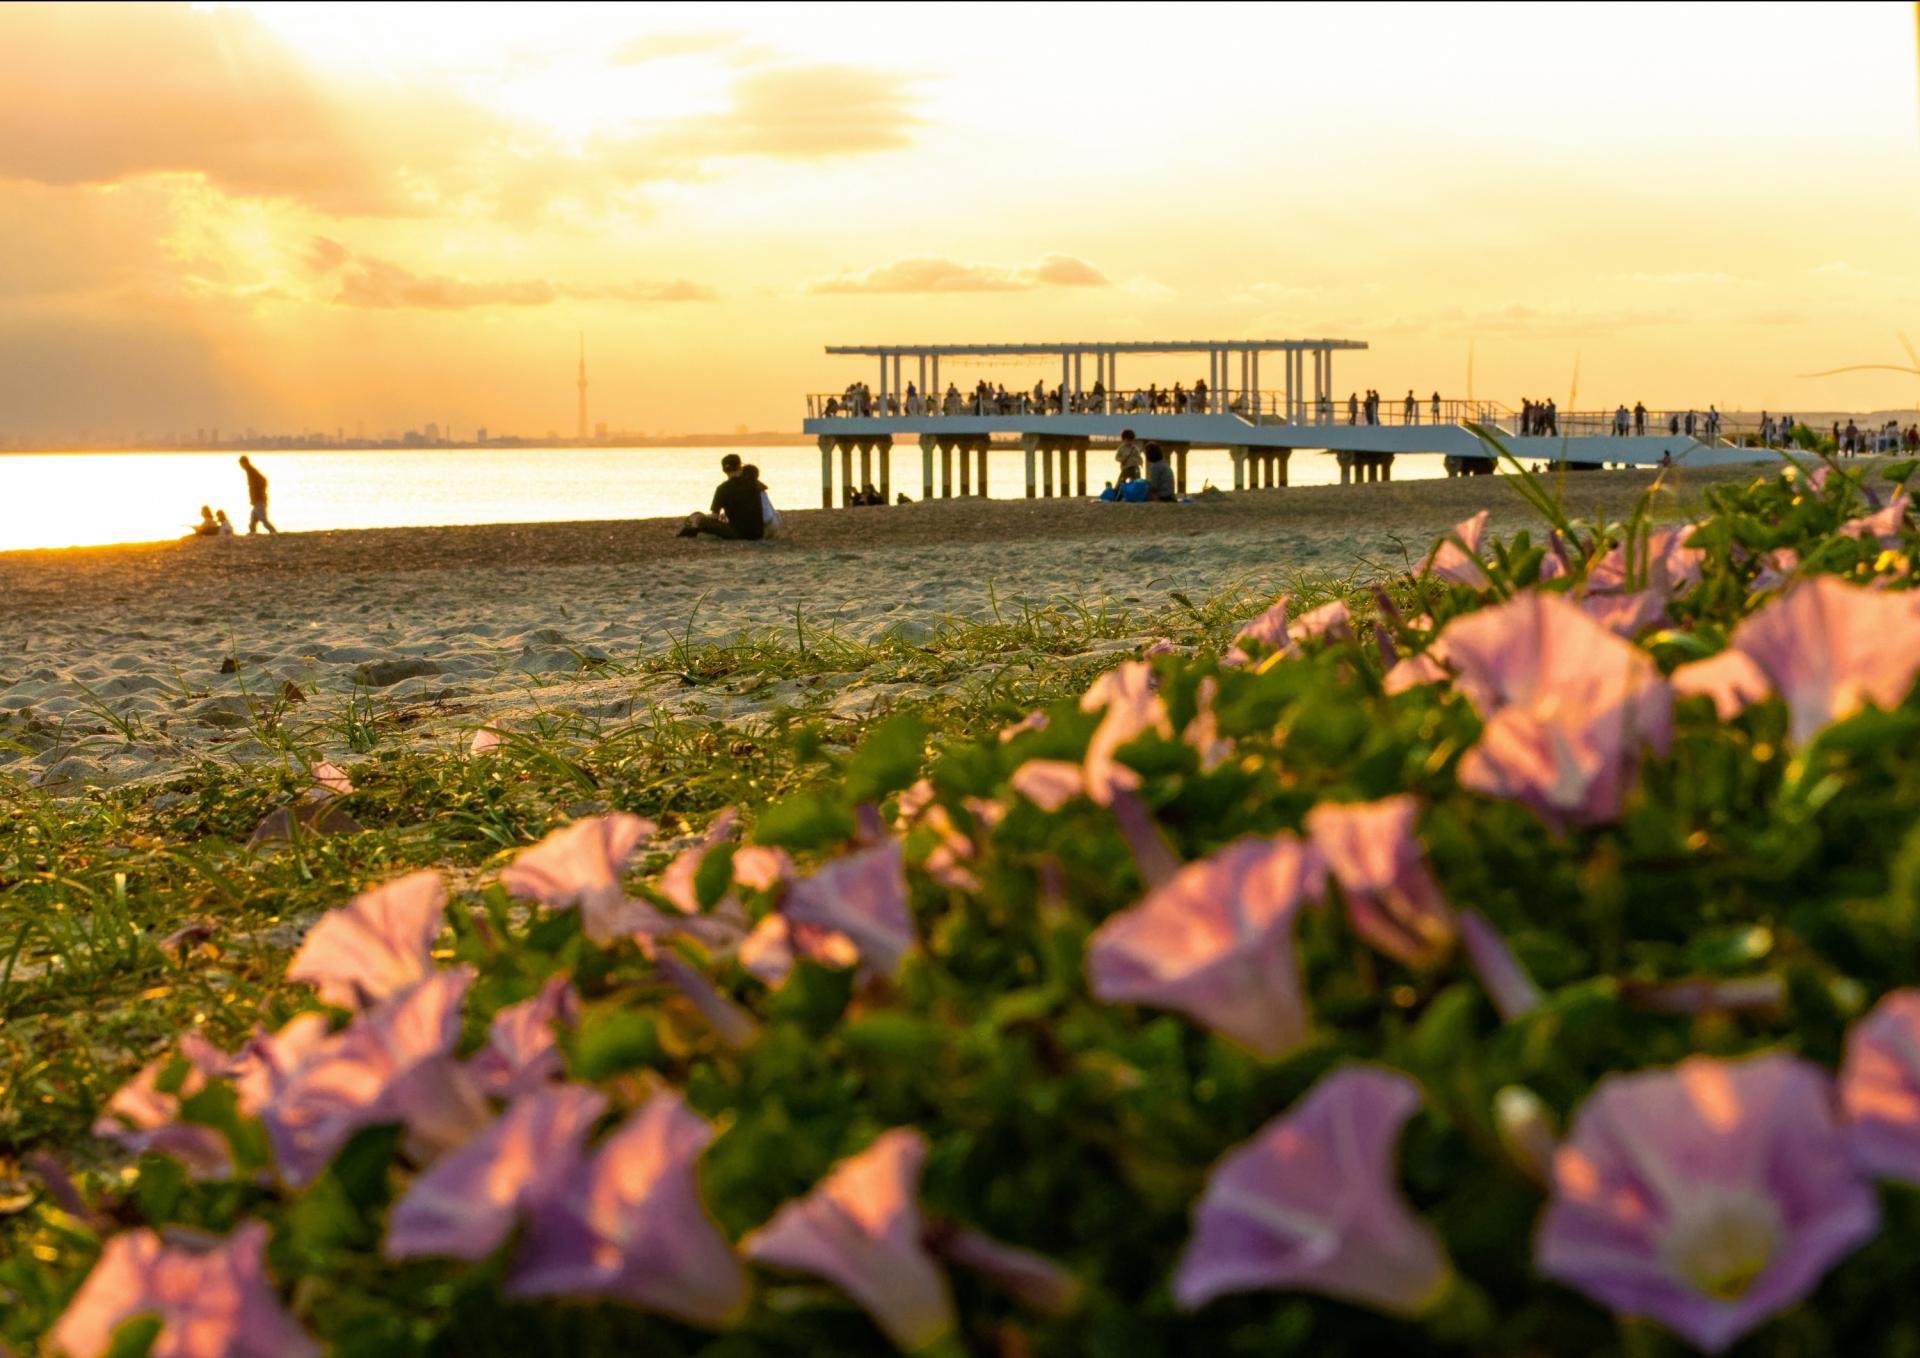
[(1253, 386), (1066, 364), (1292, 414), (923, 377)]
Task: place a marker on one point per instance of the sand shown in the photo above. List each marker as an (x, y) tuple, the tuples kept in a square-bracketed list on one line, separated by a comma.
[(133, 663)]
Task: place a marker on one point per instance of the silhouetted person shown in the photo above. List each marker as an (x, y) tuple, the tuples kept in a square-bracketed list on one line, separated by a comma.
[(256, 497), (207, 527), (1160, 484), (735, 510)]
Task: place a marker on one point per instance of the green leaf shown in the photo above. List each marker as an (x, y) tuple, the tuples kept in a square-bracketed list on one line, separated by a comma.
[(611, 1041), (888, 760), (714, 876), (804, 821), (134, 1337)]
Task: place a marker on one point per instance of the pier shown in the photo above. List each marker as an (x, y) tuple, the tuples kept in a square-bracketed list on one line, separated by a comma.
[(1260, 418)]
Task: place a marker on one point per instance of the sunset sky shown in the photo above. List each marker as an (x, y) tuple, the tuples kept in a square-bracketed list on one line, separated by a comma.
[(337, 216)]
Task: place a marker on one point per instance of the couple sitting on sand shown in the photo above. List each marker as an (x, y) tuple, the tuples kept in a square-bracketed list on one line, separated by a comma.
[(212, 525), (1156, 484), (741, 507)]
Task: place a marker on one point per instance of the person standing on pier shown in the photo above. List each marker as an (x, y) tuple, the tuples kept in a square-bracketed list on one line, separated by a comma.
[(1353, 407), (1639, 418), (1413, 409), (1620, 423), (1436, 407)]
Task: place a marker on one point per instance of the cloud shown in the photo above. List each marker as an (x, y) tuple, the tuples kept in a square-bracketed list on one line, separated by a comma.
[(947, 275), (352, 280), (1674, 280), (792, 112), (98, 94), (664, 46)]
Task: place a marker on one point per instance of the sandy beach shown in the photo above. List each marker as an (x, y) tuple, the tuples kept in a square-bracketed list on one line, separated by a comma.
[(134, 662)]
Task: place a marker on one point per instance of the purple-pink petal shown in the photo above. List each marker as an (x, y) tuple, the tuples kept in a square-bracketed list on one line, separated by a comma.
[(862, 896), (628, 1225), (337, 1084), (1312, 1204), (521, 1052), (1216, 944), (212, 1303), (140, 1118), (378, 943), (1033, 1279), (1880, 1088), (580, 866), (1455, 558), (1708, 1196), (1506, 982), (466, 1204), (1392, 899), (860, 1229)]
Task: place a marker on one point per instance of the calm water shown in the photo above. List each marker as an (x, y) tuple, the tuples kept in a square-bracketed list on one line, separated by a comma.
[(83, 499)]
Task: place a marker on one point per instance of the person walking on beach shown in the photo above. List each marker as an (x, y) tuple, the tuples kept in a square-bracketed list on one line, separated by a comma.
[(257, 498)]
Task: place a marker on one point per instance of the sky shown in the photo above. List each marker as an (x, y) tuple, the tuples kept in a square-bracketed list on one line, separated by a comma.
[(368, 217)]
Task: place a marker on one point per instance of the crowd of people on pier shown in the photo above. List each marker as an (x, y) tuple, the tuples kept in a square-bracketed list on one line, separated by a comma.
[(1853, 441), (987, 398)]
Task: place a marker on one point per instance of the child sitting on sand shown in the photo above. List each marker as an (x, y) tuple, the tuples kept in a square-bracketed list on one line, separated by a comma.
[(226, 524), (206, 528)]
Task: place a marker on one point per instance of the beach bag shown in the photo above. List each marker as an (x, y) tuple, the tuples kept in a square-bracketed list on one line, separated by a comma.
[(1133, 492)]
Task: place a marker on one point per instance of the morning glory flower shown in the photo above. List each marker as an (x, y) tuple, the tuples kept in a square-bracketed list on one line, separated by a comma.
[(863, 897), (1455, 557), (466, 1204), (1827, 648), (1567, 707), (521, 1052), (580, 865), (377, 944), (628, 1225), (1312, 1204), (358, 1077), (860, 1229), (1708, 1196), (141, 1118), (1216, 943), (1880, 1088), (215, 1302), (1392, 899)]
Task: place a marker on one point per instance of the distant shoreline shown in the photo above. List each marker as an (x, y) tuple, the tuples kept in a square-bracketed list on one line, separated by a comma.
[(763, 439)]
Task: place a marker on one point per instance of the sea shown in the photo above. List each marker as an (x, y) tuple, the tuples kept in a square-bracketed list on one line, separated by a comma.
[(92, 499)]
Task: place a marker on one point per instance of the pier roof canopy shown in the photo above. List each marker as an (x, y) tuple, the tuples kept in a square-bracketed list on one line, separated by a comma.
[(1091, 347)]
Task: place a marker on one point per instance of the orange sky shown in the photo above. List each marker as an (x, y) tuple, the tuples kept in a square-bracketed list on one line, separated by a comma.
[(327, 216)]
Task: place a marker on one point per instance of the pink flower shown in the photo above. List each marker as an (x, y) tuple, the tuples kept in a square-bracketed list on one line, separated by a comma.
[(485, 741), (758, 868), (1731, 679), (379, 943), (332, 778), (1049, 783), (1455, 557), (465, 1205), (1033, 721), (628, 1225), (1414, 671), (860, 1229), (768, 952), (1392, 899), (1626, 615), (212, 1303), (1884, 525), (1567, 707), (1512, 991), (335, 1085), (1708, 1196), (1662, 565), (863, 896), (1271, 631), (521, 1052), (1127, 695), (1216, 944), (1829, 650), (140, 1118), (581, 865), (1311, 1204), (1203, 732), (1776, 567), (1880, 1088)]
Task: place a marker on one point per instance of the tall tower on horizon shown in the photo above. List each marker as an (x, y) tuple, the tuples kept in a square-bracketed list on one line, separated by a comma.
[(583, 386)]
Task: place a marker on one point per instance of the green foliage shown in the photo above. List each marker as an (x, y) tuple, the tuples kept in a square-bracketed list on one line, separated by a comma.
[(1079, 1129)]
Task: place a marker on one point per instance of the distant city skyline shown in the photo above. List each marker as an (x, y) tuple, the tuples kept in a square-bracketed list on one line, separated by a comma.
[(303, 216)]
